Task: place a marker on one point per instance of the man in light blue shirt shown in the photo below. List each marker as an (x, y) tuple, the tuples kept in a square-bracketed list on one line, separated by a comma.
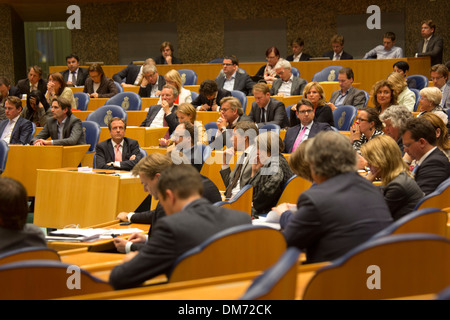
[(386, 51)]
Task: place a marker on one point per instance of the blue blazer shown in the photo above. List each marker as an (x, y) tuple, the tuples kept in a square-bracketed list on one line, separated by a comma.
[(292, 133), (21, 133)]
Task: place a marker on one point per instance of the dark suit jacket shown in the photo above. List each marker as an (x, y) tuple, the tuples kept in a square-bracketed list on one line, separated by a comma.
[(355, 97), (73, 133), (104, 153), (223, 138), (21, 133), (29, 236), (129, 74), (14, 91), (147, 91), (435, 49), (298, 84), (322, 114), (276, 113), (173, 236), (246, 171), (344, 55), (172, 120), (292, 133), (303, 57), (335, 216), (433, 171), (201, 99), (107, 88), (242, 82), (82, 75), (24, 86), (161, 60)]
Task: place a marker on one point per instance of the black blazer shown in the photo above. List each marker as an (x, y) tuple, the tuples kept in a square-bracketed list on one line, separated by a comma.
[(344, 55), (161, 60), (107, 88), (21, 133), (303, 57), (174, 235), (104, 153), (242, 82), (201, 99), (276, 113), (172, 120), (82, 75), (24, 86), (435, 49), (130, 74), (292, 133), (73, 133), (147, 91), (433, 171)]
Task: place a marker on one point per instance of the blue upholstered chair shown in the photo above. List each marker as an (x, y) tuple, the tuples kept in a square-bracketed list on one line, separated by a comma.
[(118, 86), (417, 94), (241, 97), (127, 100), (344, 117), (211, 130), (270, 127), (103, 114), (421, 81), (92, 133), (81, 100), (329, 73), (188, 77), (4, 148)]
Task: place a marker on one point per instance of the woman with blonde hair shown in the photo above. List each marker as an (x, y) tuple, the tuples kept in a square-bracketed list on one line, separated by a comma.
[(405, 97), (443, 141), (173, 78), (385, 162), (384, 95)]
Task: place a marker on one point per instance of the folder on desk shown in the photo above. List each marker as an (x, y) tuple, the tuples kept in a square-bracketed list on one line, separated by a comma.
[(73, 235)]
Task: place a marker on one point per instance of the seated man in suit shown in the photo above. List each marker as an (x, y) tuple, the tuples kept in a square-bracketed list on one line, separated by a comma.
[(439, 75), (151, 167), (244, 135), (209, 96), (118, 152), (432, 165), (402, 67), (6, 90), (232, 78), (132, 74), (33, 82), (431, 45), (338, 53), (167, 56), (15, 129), (190, 221), (343, 209), (74, 75), (163, 115), (307, 128), (64, 128), (348, 95), (287, 84), (297, 46), (151, 83), (231, 112), (266, 109), (98, 85), (15, 233)]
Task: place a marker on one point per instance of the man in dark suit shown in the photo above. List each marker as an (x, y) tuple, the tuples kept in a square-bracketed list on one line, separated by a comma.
[(348, 95), (266, 109), (297, 46), (15, 129), (132, 74), (152, 166), (287, 84), (231, 112), (307, 128), (338, 53), (64, 128), (118, 152), (15, 233), (209, 96), (151, 83), (167, 56), (232, 78), (190, 221), (163, 115), (431, 45), (343, 209), (74, 75), (433, 166), (33, 82), (6, 90)]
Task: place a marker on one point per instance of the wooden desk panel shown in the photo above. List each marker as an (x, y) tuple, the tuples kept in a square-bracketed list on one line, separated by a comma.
[(207, 116)]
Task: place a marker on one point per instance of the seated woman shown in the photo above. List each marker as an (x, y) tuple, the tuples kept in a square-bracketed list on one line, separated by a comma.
[(366, 127), (98, 85), (57, 87), (270, 172), (384, 95), (322, 111), (173, 78), (267, 72), (405, 97), (187, 112), (399, 188), (430, 98), (37, 109), (443, 141)]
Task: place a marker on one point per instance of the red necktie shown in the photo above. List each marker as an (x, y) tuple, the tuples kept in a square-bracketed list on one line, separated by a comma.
[(118, 156)]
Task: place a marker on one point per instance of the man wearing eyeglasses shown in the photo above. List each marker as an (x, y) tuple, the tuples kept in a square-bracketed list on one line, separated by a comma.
[(307, 127), (232, 78), (439, 75)]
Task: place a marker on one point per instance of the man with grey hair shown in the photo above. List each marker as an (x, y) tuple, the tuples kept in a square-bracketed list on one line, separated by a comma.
[(132, 74), (394, 119), (287, 84), (343, 210), (152, 83)]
